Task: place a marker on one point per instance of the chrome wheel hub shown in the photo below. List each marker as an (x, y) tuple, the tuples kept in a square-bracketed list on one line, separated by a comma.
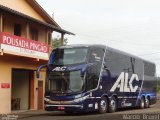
[(142, 103), (113, 104), (103, 105)]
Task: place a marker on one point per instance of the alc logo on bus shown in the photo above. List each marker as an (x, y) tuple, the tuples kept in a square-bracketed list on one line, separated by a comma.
[(60, 68), (124, 85)]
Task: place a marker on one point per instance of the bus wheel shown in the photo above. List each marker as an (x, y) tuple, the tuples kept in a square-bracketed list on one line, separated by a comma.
[(103, 106), (142, 103), (113, 105), (147, 102)]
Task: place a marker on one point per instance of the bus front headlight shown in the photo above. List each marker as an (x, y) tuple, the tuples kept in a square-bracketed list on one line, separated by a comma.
[(46, 99)]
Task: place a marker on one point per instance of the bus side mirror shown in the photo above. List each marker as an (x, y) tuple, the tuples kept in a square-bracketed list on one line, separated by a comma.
[(38, 70)]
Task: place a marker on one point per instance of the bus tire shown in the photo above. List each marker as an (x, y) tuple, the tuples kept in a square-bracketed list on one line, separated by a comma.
[(112, 105), (147, 102), (103, 105), (142, 103)]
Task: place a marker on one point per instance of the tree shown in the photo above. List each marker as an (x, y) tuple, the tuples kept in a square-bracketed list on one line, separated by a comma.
[(56, 42)]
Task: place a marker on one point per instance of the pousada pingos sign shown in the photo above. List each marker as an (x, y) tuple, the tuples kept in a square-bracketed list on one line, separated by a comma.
[(24, 47)]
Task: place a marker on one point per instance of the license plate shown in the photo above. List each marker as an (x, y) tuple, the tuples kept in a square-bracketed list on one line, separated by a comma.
[(61, 108)]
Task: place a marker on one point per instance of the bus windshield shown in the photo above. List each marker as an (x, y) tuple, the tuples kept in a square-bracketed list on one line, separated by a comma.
[(66, 81), (69, 56)]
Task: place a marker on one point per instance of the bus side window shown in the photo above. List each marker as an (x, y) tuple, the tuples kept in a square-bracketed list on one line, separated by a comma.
[(118, 62), (107, 60), (106, 64), (95, 57)]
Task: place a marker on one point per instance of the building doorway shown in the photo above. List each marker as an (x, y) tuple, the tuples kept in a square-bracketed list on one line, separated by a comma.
[(22, 90), (40, 95)]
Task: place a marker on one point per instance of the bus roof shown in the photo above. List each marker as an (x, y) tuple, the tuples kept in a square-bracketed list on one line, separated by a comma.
[(104, 46)]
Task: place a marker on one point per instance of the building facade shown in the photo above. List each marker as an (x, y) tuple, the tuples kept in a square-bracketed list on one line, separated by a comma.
[(25, 40)]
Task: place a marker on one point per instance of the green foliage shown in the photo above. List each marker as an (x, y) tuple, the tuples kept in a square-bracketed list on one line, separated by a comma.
[(158, 85), (56, 42)]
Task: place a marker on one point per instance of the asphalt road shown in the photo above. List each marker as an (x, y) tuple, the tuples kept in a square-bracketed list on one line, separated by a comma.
[(152, 113)]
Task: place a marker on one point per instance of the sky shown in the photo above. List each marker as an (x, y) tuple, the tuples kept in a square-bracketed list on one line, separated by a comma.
[(132, 26)]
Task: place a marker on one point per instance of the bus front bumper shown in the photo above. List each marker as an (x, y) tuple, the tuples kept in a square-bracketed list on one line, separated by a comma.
[(51, 107)]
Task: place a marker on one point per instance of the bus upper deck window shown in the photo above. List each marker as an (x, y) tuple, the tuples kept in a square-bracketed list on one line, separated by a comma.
[(96, 55)]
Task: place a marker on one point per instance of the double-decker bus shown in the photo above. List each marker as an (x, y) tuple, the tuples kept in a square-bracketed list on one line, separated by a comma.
[(97, 78)]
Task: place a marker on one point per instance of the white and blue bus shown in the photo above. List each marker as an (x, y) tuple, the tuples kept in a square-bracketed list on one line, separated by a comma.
[(97, 78)]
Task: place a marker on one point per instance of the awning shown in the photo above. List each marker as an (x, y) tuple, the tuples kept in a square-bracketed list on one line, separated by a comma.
[(9, 10)]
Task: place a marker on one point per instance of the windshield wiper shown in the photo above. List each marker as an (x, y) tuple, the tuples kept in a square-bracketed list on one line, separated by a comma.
[(70, 89)]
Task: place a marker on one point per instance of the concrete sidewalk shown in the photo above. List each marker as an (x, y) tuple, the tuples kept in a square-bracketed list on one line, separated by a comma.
[(30, 113)]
